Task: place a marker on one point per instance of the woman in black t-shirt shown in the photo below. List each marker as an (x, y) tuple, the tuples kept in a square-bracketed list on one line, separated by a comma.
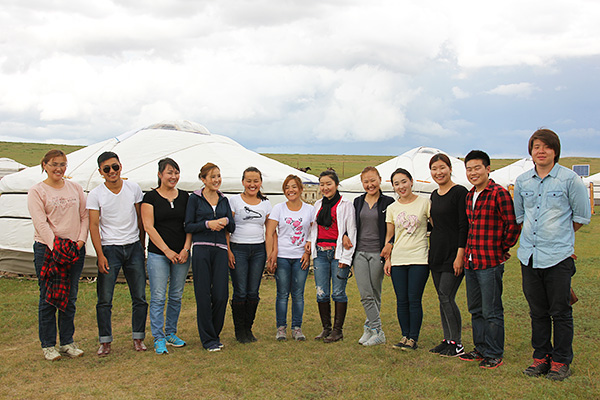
[(163, 214), (447, 247)]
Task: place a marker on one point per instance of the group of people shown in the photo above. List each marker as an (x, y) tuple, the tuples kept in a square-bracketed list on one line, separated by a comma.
[(470, 235)]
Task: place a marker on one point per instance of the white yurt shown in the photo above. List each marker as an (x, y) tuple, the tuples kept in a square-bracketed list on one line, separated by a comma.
[(191, 145), (594, 182), (10, 166), (507, 176), (415, 161)]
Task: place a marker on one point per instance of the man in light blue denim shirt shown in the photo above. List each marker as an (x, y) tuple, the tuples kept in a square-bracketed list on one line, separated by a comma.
[(552, 204)]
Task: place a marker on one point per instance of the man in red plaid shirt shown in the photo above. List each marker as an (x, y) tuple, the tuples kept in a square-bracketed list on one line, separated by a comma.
[(493, 230)]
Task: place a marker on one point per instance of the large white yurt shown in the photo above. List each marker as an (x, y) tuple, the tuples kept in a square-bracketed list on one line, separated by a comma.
[(9, 166), (507, 176), (415, 161), (191, 145)]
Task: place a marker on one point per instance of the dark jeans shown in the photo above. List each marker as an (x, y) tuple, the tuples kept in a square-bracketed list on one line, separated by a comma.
[(47, 312), (484, 298), (211, 288), (446, 285), (130, 257), (250, 262), (409, 283), (548, 292)]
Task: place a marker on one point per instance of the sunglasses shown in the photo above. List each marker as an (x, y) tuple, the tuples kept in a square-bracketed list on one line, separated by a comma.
[(107, 168)]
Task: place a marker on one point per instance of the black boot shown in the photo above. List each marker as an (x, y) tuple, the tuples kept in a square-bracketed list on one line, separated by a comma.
[(338, 323), (325, 313), (251, 306), (239, 313)]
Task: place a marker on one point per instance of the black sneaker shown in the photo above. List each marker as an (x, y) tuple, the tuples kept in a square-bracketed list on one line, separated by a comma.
[(540, 367), (453, 350), (411, 344), (402, 343), (440, 347), (473, 355), (558, 372), (490, 363)]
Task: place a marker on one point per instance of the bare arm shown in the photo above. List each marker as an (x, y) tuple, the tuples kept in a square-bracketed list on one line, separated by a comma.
[(97, 242), (147, 213), (140, 224)]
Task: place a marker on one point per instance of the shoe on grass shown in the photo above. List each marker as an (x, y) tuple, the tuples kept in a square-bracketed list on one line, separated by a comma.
[(173, 340), (377, 337), (401, 343), (438, 349), (453, 350), (540, 367), (473, 355), (281, 334), (367, 333), (214, 348), (411, 344), (297, 334), (558, 371), (490, 363), (70, 350), (51, 354), (160, 346)]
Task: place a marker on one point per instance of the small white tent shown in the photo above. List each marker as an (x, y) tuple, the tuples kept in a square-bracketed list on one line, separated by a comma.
[(506, 176), (415, 161), (10, 166), (190, 145), (595, 181)]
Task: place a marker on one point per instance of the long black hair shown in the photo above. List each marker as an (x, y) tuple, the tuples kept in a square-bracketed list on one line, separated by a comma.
[(162, 165)]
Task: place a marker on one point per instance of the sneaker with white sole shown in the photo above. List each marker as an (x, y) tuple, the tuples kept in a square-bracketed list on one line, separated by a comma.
[(367, 333), (70, 350), (173, 340), (281, 334), (440, 347), (297, 334), (51, 354), (377, 337), (411, 344), (160, 346), (214, 348), (402, 343), (453, 350)]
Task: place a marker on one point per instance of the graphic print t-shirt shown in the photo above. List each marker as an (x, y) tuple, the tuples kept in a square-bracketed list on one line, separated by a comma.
[(410, 229), (292, 229), (249, 220)]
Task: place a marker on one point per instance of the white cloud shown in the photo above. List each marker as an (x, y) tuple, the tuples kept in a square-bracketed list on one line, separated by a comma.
[(459, 93), (523, 89)]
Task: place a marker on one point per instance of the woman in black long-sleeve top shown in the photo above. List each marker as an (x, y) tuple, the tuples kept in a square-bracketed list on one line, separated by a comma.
[(209, 219), (447, 246)]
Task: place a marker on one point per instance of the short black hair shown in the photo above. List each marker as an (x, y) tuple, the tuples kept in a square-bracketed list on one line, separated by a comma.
[(550, 138), (107, 155), (478, 155)]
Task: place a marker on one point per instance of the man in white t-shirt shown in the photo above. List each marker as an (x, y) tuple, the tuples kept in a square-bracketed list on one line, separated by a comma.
[(117, 236)]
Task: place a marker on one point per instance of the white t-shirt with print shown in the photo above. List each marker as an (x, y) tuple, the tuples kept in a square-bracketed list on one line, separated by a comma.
[(249, 220), (118, 218), (292, 229), (410, 229)]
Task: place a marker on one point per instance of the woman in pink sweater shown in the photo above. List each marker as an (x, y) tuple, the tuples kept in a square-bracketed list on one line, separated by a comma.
[(57, 209)]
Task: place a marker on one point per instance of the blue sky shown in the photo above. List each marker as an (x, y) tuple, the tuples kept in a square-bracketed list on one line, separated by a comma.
[(330, 76)]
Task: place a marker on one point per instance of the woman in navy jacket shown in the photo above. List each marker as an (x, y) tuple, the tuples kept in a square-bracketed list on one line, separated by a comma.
[(209, 219)]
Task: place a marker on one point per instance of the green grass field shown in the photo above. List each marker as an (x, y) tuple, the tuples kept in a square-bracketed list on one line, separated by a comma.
[(304, 370)]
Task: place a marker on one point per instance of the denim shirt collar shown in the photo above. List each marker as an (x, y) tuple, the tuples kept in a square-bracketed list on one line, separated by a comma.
[(553, 172)]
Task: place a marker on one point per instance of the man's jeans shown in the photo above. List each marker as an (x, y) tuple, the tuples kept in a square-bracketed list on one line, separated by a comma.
[(130, 257), (484, 299), (548, 292), (291, 279), (47, 312), (250, 262), (160, 272), (328, 273)]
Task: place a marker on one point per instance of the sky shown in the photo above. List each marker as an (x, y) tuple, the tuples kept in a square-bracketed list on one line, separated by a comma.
[(310, 77)]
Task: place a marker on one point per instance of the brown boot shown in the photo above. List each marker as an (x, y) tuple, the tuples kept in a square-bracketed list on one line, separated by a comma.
[(325, 313), (338, 323)]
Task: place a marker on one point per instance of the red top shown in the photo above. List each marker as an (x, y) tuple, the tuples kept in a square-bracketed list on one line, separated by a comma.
[(327, 237), (493, 228)]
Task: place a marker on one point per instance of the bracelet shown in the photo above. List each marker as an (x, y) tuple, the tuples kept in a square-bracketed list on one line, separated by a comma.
[(188, 250)]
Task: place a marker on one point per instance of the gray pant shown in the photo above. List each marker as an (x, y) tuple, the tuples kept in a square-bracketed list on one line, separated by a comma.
[(368, 270), (446, 285)]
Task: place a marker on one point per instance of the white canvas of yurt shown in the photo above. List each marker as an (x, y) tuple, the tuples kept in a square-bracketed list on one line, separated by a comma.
[(594, 182), (415, 161), (507, 176), (9, 166), (190, 145)]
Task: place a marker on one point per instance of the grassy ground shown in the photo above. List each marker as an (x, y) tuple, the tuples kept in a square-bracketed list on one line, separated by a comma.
[(305, 370)]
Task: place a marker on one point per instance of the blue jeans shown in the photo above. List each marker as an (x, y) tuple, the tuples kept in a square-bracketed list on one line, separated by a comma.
[(211, 288), (47, 312), (250, 262), (409, 283), (291, 278), (329, 276), (484, 299), (160, 272), (130, 257)]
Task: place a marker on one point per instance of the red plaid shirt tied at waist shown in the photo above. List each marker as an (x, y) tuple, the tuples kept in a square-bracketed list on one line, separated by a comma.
[(493, 228), (56, 271)]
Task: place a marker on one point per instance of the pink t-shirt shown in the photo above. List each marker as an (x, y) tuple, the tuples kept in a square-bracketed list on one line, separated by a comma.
[(58, 212)]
